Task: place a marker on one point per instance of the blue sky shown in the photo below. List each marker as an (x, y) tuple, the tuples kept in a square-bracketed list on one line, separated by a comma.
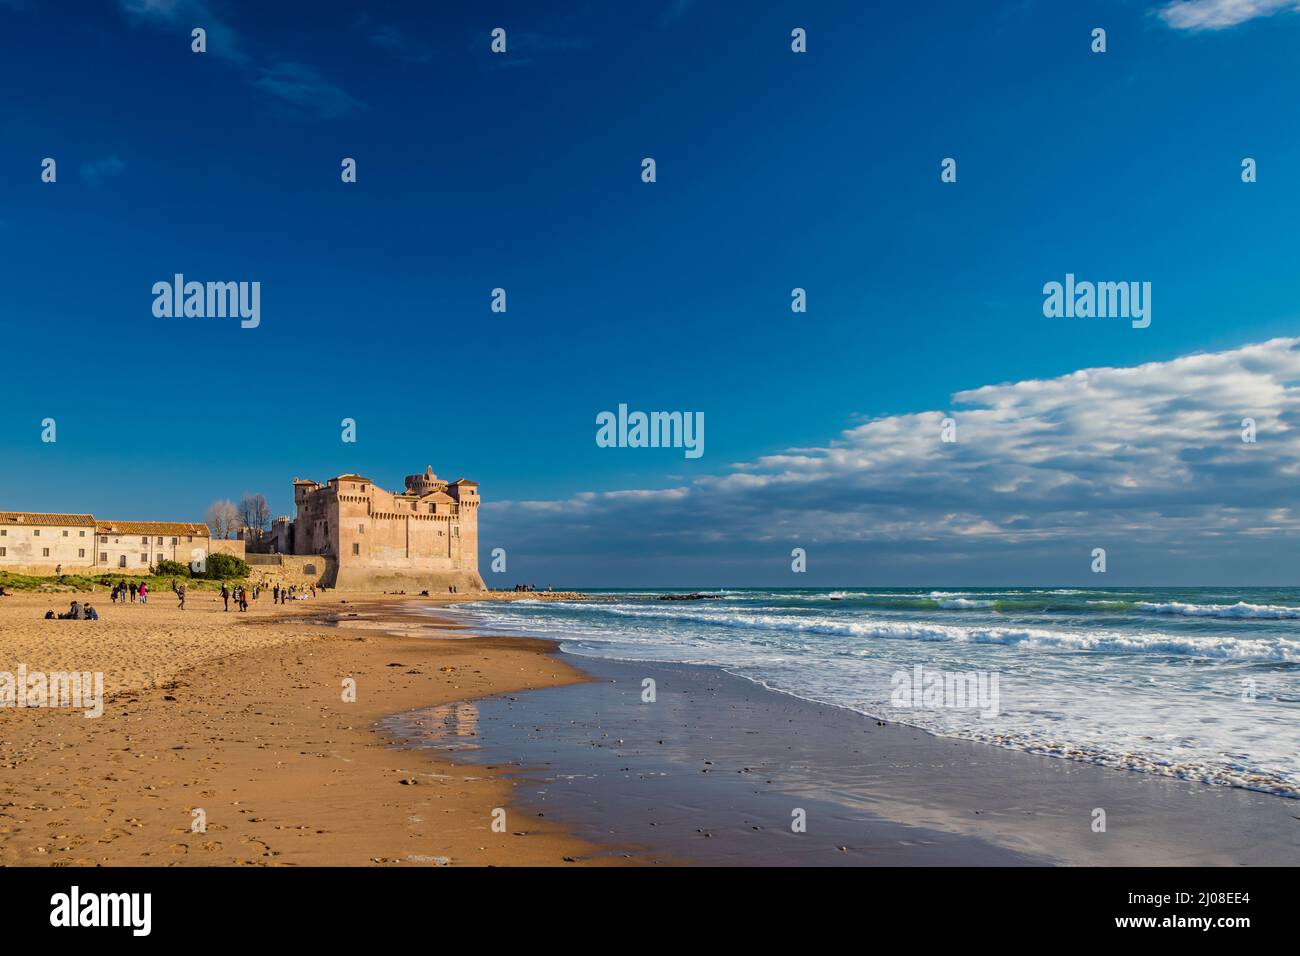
[(775, 170)]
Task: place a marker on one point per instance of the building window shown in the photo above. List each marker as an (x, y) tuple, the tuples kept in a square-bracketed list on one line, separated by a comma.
[(103, 539), (160, 540), (103, 557), (45, 552), (144, 540), (356, 548), (3, 552), (81, 552), (173, 542), (4, 532), (65, 534), (144, 559), (36, 533), (361, 529)]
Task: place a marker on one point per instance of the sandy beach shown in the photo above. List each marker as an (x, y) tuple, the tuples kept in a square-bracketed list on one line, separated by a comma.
[(241, 717), (226, 740)]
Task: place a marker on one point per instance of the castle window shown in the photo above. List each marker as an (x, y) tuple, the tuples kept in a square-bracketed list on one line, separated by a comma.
[(361, 529), (356, 548)]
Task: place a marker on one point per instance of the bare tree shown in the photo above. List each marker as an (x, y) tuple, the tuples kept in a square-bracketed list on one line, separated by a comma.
[(223, 519), (255, 513)]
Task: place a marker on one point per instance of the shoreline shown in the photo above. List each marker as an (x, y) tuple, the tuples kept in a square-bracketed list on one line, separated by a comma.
[(241, 718), (451, 726), (712, 771)]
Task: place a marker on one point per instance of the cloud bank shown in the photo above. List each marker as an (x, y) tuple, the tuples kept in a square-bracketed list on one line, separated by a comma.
[(1145, 460)]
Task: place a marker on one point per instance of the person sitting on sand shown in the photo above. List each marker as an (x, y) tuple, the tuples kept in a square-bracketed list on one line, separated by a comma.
[(75, 613), (91, 613), (3, 592)]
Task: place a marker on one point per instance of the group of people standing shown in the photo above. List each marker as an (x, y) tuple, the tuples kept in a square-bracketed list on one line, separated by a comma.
[(121, 591), (239, 593)]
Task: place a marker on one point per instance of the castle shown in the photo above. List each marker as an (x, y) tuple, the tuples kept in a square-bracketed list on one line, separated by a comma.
[(348, 533), (425, 537)]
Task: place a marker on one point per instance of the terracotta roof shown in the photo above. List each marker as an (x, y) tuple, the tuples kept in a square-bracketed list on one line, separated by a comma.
[(42, 518), (153, 527), (465, 481)]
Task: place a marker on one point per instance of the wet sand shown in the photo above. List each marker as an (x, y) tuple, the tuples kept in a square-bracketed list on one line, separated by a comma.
[(715, 768)]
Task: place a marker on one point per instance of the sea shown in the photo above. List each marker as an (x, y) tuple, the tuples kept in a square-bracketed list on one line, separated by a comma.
[(1201, 684)]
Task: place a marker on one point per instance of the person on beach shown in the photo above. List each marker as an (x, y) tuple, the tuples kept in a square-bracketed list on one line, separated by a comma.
[(225, 595), (91, 613), (243, 598), (144, 593), (180, 593), (275, 593), (134, 589), (75, 613)]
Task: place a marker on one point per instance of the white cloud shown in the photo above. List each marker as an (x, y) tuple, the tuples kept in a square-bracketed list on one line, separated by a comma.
[(1150, 455), (1220, 14)]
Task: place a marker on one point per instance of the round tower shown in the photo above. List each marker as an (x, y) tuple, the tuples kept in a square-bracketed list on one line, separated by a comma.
[(425, 484)]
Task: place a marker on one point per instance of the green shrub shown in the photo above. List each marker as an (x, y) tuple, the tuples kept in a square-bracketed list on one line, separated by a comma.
[(173, 569), (226, 566)]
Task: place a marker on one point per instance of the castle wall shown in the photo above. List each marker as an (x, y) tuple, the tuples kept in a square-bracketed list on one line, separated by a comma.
[(423, 538)]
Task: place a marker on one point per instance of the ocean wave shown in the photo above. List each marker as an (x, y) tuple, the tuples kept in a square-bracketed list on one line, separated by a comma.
[(1263, 649), (1239, 610)]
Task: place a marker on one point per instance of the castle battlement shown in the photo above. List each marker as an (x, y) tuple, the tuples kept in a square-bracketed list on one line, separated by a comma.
[(426, 535)]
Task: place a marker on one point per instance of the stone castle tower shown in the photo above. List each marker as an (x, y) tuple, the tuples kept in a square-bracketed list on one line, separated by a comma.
[(425, 537)]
